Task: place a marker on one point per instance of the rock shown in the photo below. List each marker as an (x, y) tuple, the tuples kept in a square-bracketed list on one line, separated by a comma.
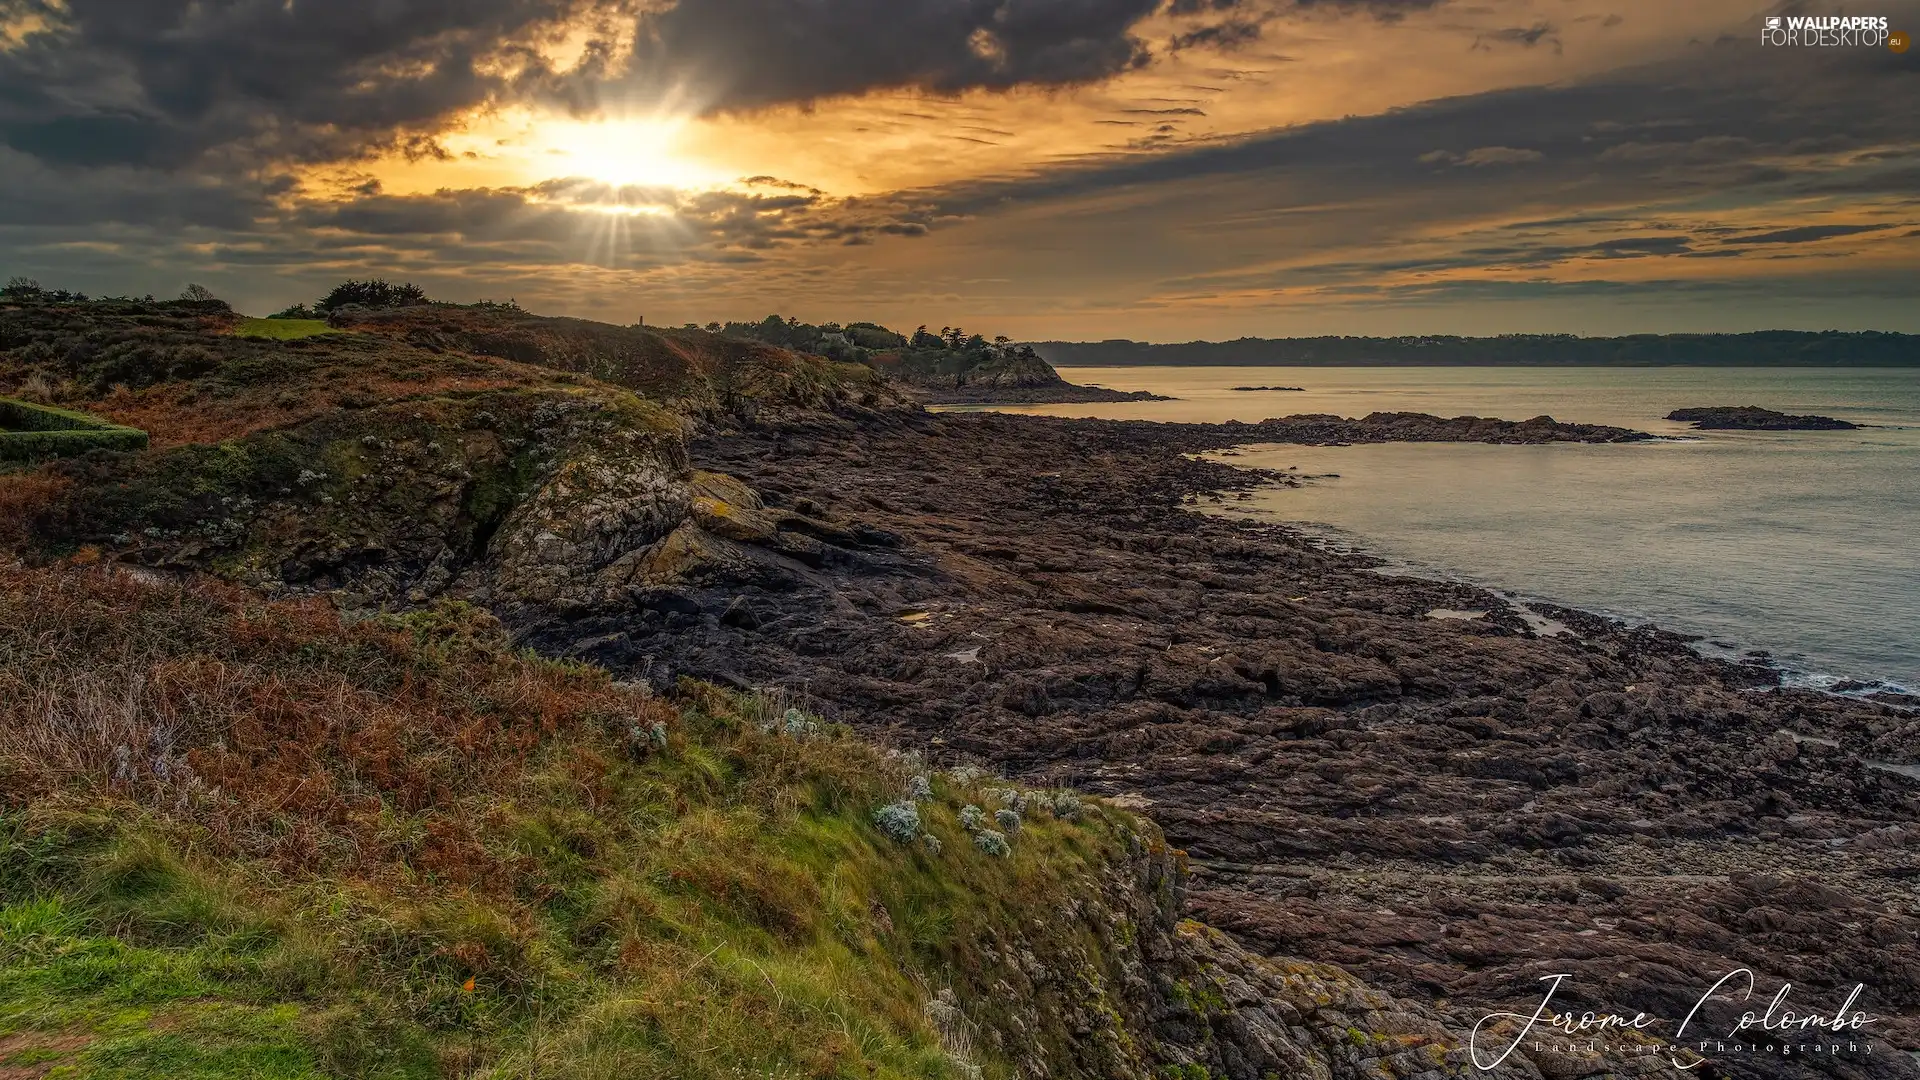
[(1754, 418)]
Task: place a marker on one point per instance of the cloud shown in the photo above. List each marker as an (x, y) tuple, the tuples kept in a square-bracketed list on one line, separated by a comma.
[(226, 86), (1804, 234), (164, 83), (746, 54), (1523, 36), (1232, 34), (1481, 156), (1637, 174)]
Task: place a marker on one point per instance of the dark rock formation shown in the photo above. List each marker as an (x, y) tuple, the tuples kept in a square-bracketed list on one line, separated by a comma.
[(1302, 389), (1059, 392), (1754, 418)]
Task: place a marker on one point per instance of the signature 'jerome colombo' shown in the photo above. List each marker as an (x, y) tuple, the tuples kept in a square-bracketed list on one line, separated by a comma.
[(1777, 1018)]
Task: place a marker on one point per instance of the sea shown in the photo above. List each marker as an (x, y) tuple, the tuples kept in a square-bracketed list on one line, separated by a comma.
[(1805, 544)]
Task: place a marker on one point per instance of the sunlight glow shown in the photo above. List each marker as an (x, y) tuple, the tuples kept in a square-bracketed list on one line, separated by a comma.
[(643, 153)]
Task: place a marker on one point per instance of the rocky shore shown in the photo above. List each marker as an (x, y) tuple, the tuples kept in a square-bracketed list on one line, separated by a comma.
[(1402, 803), (1754, 418), (1059, 393), (1451, 809)]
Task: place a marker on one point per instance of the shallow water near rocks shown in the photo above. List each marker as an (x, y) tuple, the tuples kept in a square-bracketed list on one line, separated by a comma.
[(1805, 544)]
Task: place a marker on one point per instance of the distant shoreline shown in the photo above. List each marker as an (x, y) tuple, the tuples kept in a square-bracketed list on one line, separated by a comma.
[(1776, 348)]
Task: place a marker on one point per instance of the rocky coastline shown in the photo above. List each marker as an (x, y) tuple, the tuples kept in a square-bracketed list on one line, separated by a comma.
[(1395, 804), (1450, 809)]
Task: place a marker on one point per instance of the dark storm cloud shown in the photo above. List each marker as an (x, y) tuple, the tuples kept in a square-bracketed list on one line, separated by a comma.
[(732, 55), (160, 83), (171, 84), (742, 54)]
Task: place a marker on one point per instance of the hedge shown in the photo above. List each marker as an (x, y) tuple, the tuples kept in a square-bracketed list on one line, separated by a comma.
[(30, 431)]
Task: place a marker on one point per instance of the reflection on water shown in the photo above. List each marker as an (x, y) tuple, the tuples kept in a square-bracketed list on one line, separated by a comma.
[(1806, 544)]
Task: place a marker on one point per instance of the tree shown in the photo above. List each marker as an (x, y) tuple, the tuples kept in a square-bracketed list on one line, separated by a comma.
[(197, 294), (21, 288)]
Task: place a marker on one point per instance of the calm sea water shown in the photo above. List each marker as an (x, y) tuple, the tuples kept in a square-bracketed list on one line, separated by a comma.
[(1806, 544)]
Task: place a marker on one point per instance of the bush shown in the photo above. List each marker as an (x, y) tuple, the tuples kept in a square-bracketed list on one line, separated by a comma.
[(1008, 820), (373, 294), (30, 431), (298, 311), (972, 818), (993, 843), (931, 842), (900, 821), (798, 726), (919, 788), (1066, 806)]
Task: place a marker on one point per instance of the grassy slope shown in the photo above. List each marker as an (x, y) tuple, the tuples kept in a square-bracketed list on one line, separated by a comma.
[(243, 839), (392, 443), (239, 838)]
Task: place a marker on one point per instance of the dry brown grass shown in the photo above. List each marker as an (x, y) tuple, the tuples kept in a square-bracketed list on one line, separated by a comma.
[(177, 414), (24, 497), (282, 733)]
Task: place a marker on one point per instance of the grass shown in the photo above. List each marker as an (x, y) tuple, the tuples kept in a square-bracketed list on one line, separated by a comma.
[(282, 329), (242, 838)]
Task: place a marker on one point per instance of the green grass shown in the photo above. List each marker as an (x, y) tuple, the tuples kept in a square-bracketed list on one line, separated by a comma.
[(361, 818), (84, 1003), (282, 329)]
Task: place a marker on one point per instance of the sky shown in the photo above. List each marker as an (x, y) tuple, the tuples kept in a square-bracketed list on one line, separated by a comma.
[(1162, 170)]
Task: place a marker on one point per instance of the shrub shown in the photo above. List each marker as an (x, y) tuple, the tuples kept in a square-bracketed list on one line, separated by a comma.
[(972, 818), (993, 843), (931, 843), (798, 726), (1008, 820), (298, 311), (1066, 806), (373, 294), (919, 788), (30, 431), (900, 821)]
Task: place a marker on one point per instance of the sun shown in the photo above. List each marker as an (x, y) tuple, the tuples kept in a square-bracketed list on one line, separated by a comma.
[(626, 153)]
